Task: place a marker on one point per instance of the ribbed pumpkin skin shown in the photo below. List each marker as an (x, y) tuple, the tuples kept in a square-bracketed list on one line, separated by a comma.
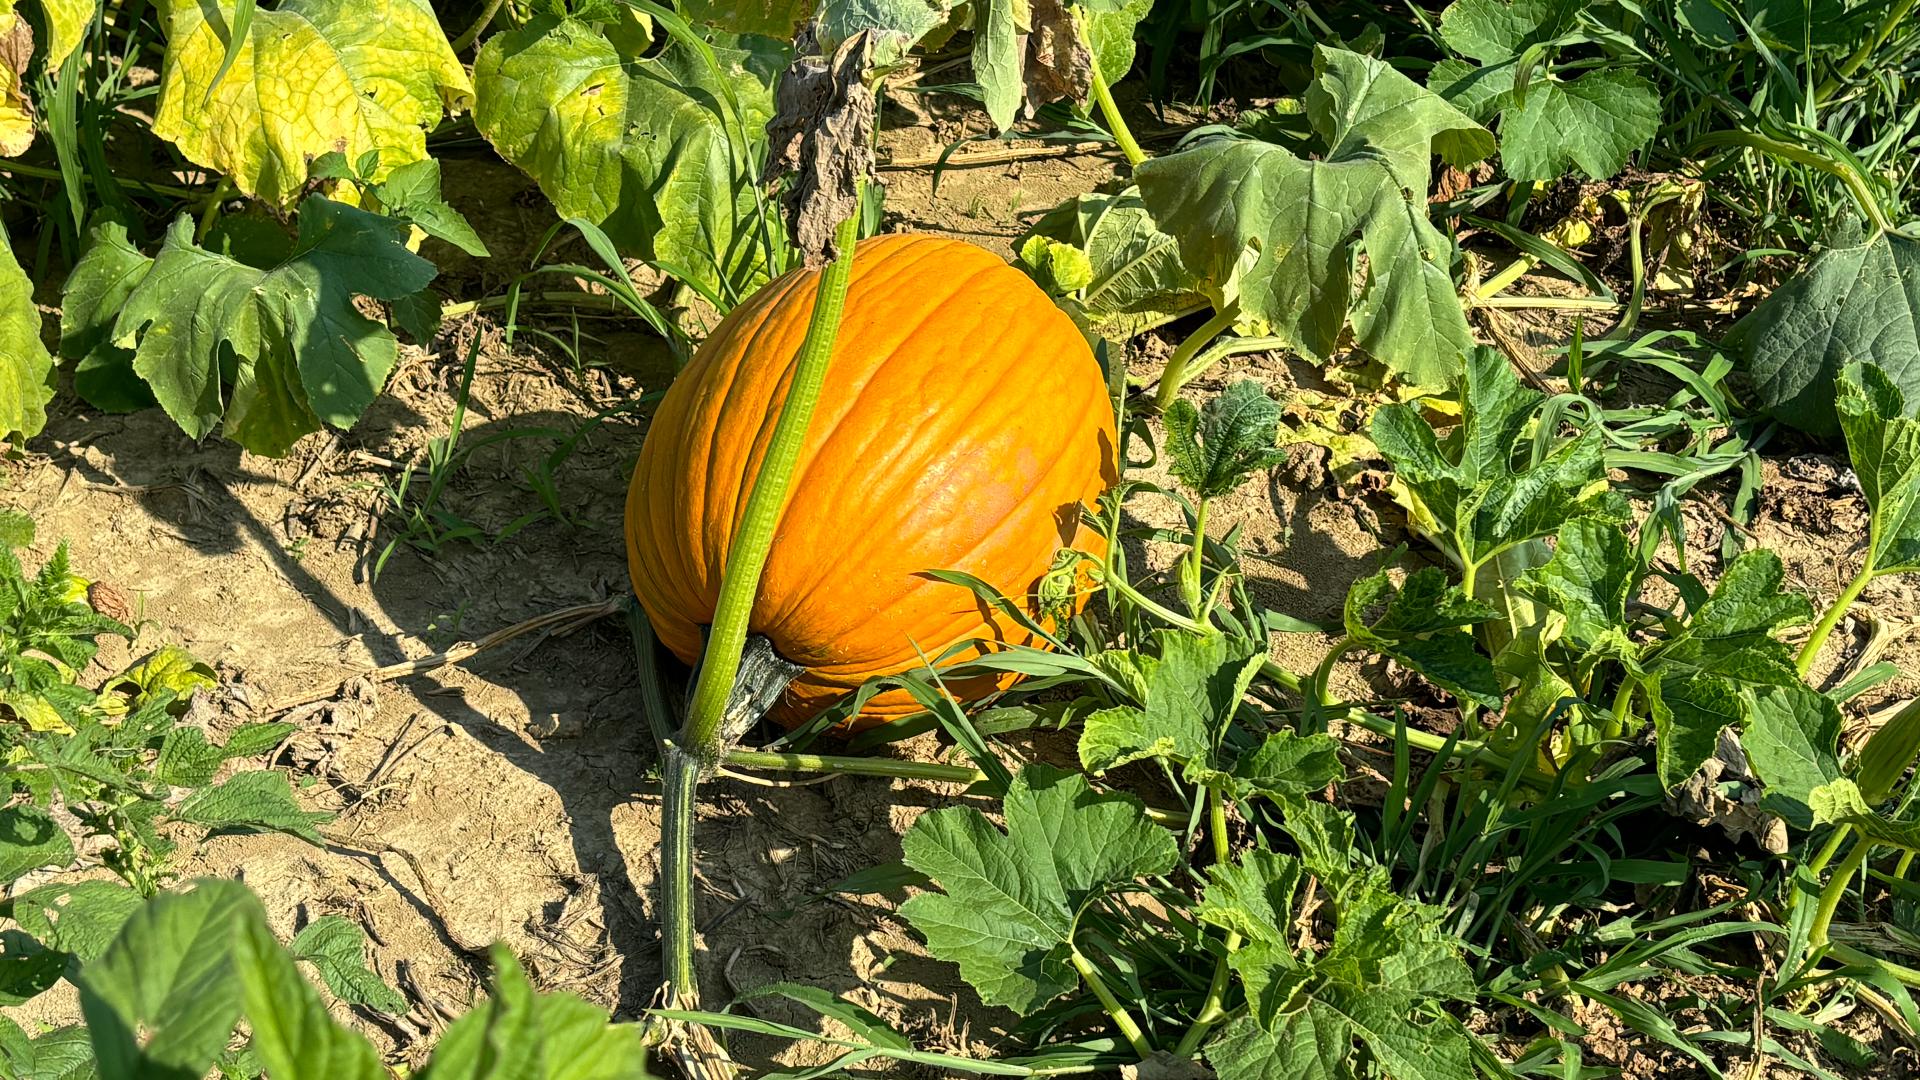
[(962, 425)]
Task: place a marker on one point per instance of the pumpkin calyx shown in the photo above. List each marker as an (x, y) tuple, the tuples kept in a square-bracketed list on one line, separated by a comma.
[(764, 675)]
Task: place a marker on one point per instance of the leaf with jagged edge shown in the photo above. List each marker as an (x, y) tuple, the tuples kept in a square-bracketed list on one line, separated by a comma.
[(26, 368), (1011, 899), (640, 148), (97, 288), (1138, 281), (1277, 232), (1883, 446), (300, 352), (316, 75)]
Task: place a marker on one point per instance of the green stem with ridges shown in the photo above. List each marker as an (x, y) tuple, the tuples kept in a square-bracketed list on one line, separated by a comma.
[(700, 743), (1122, 1019), (1836, 888), (1811, 650), (1215, 1005), (854, 766), (1174, 375), (1110, 110)]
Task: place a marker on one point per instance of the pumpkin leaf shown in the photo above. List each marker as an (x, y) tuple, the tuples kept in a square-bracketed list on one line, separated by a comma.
[(1858, 299), (1215, 447), (26, 368), (1706, 677), (1883, 446), (1110, 28), (356, 76), (1188, 695), (1595, 121), (639, 148), (300, 352), (16, 111), (1011, 899), (1475, 499), (894, 25), (1137, 281), (1276, 231), (1423, 624), (96, 290), (411, 193), (1840, 803)]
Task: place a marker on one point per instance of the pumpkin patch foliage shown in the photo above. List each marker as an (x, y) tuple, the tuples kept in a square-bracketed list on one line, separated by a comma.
[(1312, 541)]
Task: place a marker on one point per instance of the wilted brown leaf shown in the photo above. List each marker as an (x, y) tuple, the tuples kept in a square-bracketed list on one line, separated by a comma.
[(822, 136)]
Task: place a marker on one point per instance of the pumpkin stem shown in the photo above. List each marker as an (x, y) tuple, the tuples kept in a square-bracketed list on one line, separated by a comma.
[(763, 676)]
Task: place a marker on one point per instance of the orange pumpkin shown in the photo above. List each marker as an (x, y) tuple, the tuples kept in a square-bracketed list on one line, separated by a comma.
[(963, 424)]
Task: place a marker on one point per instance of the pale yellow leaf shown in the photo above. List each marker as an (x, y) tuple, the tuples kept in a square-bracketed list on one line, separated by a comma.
[(316, 76)]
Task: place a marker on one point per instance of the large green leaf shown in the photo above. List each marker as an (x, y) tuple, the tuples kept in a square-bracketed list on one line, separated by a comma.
[(1423, 624), (1594, 121), (290, 340), (638, 148), (1858, 301), (894, 26), (1883, 445), (1138, 280), (107, 273), (26, 369), (517, 1034), (1277, 232), (1706, 677), (354, 76), (1013, 898), (162, 1000)]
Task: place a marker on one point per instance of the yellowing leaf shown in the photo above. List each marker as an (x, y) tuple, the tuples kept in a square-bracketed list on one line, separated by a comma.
[(16, 112), (34, 712), (67, 22), (26, 369), (317, 76)]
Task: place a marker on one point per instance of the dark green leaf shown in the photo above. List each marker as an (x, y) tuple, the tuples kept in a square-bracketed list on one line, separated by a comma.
[(1858, 299), (1012, 898), (299, 351), (97, 288), (1189, 693), (27, 967), (162, 1000), (1423, 625), (1232, 437), (412, 194), (1792, 740)]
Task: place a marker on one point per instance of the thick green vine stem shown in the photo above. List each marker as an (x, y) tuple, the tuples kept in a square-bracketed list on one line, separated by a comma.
[(701, 742), (1811, 650), (1836, 888), (1175, 375)]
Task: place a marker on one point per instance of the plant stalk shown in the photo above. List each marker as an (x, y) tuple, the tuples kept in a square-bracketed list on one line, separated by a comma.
[(1174, 375), (1110, 111), (1899, 11), (854, 766), (1118, 1012), (1811, 650), (1215, 1006), (1836, 888), (702, 740), (1856, 184)]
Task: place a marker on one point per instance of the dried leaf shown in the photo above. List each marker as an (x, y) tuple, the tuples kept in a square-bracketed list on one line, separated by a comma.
[(1059, 64), (16, 112), (822, 134)]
